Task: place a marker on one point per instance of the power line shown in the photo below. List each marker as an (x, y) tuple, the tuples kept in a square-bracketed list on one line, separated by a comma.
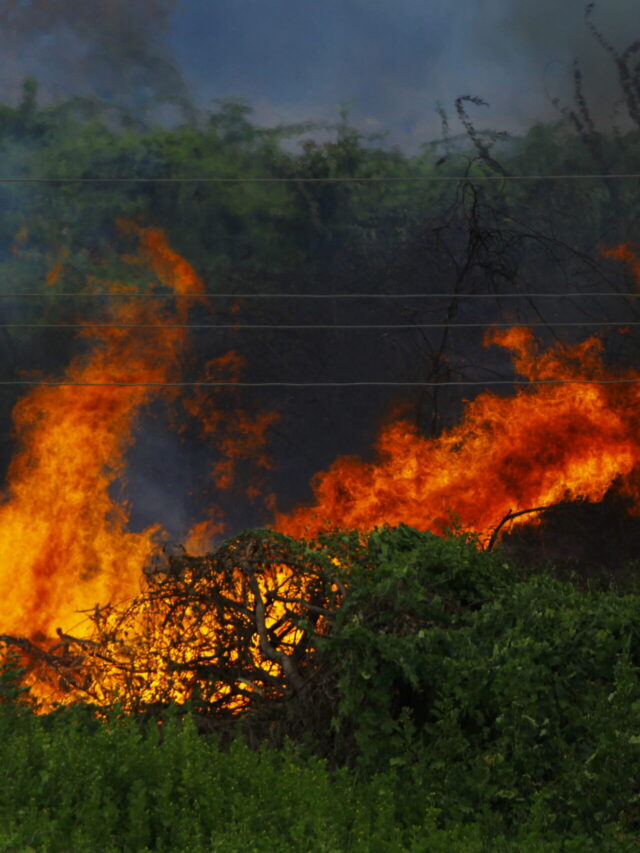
[(320, 326), (314, 295), (302, 180), (347, 384)]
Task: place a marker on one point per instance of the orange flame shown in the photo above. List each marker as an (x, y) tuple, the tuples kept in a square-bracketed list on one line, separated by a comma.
[(238, 435), (533, 449), (202, 537), (64, 543), (538, 447)]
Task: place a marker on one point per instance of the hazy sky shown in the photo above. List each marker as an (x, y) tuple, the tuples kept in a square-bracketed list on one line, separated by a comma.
[(394, 59), (391, 60)]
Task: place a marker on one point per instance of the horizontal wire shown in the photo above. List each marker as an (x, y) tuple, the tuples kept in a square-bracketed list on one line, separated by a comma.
[(322, 327), (257, 180), (347, 384), (313, 295)]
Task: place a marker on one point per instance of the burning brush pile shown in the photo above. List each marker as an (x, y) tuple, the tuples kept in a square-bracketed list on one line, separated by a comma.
[(102, 614), (232, 631)]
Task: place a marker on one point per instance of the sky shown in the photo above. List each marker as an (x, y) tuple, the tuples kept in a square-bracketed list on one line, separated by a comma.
[(394, 60), (390, 61)]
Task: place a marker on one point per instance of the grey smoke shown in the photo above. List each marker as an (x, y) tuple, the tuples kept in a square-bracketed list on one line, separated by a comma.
[(392, 61), (110, 49), (543, 38)]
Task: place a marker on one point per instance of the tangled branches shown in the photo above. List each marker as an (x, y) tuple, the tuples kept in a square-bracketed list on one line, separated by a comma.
[(229, 632)]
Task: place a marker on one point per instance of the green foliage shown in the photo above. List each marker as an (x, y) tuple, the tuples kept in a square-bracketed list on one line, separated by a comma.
[(68, 782), (12, 690), (285, 234), (495, 691), (238, 228)]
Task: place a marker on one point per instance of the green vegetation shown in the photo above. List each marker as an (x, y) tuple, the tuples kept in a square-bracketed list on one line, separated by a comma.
[(235, 232), (68, 784), (469, 705), (291, 236)]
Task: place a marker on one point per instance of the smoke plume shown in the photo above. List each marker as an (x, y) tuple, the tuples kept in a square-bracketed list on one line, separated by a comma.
[(110, 49)]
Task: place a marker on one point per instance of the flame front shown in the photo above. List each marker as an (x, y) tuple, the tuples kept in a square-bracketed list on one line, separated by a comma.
[(532, 449)]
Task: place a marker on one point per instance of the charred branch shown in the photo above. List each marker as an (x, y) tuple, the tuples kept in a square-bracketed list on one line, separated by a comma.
[(509, 517)]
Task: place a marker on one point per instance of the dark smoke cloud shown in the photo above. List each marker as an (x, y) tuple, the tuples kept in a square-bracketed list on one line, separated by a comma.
[(111, 49)]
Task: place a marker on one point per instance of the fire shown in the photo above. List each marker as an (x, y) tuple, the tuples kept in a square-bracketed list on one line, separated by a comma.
[(64, 543), (557, 441), (65, 546), (238, 434), (203, 535)]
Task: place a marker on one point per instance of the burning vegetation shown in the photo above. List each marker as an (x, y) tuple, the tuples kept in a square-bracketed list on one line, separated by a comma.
[(103, 613), (74, 547), (566, 439), (232, 631)]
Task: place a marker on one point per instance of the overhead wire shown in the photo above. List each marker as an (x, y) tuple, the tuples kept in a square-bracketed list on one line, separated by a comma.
[(345, 384), (332, 296), (318, 326), (308, 180), (149, 295), (328, 384)]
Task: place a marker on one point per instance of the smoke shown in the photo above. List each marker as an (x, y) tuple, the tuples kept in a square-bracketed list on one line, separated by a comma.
[(542, 38), (114, 50), (392, 62), (298, 59)]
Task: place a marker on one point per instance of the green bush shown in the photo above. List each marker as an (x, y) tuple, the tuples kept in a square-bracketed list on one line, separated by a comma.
[(68, 783), (494, 690)]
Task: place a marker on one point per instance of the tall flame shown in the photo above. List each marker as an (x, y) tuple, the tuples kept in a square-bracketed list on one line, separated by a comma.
[(64, 543)]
